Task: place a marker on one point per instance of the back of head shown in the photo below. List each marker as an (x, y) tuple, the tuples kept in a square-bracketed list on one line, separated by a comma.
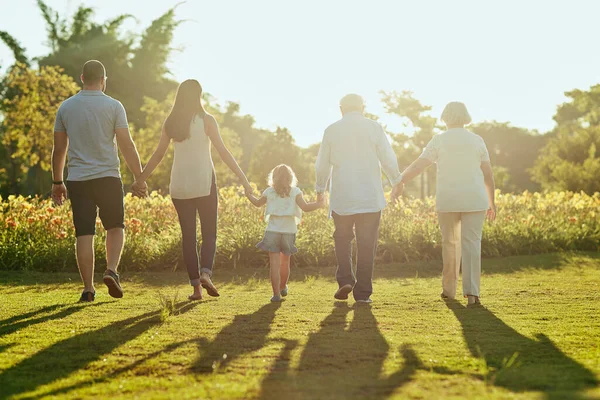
[(352, 102), (282, 178), (187, 105), (456, 114), (93, 73)]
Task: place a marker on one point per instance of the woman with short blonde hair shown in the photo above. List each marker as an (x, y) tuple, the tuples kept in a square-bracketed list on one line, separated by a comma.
[(464, 196)]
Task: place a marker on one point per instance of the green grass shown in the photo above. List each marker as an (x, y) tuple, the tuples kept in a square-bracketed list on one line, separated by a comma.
[(537, 336)]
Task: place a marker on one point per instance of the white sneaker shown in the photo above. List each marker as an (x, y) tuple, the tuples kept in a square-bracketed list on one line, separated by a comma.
[(365, 301)]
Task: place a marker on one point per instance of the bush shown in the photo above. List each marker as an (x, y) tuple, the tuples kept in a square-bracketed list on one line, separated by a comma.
[(35, 235)]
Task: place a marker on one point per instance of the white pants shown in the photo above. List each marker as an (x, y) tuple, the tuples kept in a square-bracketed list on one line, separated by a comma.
[(461, 239)]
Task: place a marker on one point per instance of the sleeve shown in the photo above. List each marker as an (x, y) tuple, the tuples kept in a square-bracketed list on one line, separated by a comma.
[(59, 125), (296, 191), (266, 192), (121, 117), (323, 165), (430, 152), (387, 157), (483, 152)]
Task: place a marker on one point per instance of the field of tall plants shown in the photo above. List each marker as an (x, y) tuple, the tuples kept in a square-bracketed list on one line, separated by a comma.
[(37, 235)]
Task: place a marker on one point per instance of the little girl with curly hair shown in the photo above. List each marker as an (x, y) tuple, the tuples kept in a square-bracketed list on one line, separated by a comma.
[(285, 204)]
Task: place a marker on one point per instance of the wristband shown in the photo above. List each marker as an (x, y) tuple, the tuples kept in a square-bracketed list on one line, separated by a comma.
[(57, 182)]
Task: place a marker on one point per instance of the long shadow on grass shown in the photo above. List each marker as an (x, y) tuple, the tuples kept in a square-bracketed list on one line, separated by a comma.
[(70, 355), (18, 322), (245, 334), (340, 362), (538, 365)]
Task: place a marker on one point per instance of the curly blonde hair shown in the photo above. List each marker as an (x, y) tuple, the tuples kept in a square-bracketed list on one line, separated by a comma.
[(282, 178)]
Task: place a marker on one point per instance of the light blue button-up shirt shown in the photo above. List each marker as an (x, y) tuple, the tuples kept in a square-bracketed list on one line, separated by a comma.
[(354, 151)]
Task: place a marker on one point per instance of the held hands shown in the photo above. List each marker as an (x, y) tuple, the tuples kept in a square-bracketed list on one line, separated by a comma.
[(139, 189), (397, 192), (248, 190), (322, 200), (59, 193)]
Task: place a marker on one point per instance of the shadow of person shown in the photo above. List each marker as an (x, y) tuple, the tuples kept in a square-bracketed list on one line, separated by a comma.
[(74, 353), (538, 364), (340, 361), (245, 334), (22, 321)]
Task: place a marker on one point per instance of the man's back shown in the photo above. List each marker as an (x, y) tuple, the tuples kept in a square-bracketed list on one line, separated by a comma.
[(90, 118), (354, 147)]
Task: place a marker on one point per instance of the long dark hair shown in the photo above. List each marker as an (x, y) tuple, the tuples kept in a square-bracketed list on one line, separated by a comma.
[(187, 105)]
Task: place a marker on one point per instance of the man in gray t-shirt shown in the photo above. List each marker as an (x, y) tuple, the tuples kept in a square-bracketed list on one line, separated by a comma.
[(88, 128)]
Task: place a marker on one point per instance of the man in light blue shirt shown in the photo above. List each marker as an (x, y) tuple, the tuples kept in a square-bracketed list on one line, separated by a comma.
[(89, 127), (354, 151)]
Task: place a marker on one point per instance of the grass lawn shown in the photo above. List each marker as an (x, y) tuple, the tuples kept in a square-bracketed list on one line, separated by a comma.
[(537, 336)]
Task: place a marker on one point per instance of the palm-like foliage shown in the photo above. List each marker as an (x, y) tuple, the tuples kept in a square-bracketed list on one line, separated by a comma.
[(136, 64)]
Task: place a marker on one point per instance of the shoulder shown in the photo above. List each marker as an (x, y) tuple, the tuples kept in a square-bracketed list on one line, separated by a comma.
[(68, 102), (295, 191), (268, 192)]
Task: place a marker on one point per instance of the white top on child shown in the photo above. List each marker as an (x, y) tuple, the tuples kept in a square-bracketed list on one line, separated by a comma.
[(282, 213)]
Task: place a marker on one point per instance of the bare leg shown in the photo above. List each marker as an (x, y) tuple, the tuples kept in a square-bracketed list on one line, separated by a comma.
[(284, 270), (84, 250), (275, 263), (115, 238)]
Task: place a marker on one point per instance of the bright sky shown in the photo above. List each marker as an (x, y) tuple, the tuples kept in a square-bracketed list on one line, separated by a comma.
[(289, 62)]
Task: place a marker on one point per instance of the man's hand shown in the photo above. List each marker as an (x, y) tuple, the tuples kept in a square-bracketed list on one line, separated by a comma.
[(397, 192), (139, 189), (59, 193), (491, 213)]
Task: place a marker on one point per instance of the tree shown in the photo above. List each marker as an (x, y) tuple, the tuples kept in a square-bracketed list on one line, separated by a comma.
[(513, 151), (571, 158), (10, 171), (277, 148), (423, 127), (29, 112), (136, 64)]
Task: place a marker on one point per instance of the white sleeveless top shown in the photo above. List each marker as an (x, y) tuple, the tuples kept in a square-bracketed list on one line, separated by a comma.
[(193, 169), (282, 213)]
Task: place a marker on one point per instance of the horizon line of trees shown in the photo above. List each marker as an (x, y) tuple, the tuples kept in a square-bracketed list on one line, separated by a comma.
[(566, 158)]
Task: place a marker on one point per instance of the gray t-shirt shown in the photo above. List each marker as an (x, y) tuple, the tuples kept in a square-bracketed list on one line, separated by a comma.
[(90, 118)]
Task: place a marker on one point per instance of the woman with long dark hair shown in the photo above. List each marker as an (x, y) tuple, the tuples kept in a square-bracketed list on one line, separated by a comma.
[(193, 184)]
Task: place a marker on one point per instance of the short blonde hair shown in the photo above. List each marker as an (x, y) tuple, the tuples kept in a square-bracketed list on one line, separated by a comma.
[(456, 113), (352, 101)]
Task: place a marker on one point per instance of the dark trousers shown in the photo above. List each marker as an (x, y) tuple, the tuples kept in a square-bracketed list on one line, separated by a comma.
[(366, 227), (206, 207)]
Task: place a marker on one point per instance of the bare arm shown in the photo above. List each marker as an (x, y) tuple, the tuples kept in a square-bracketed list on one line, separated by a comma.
[(257, 201), (157, 156), (212, 130), (130, 153), (59, 154), (490, 188), (307, 207), (415, 169)]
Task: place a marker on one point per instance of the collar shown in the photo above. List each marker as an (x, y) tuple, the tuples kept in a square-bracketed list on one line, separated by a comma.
[(84, 92), (352, 113)]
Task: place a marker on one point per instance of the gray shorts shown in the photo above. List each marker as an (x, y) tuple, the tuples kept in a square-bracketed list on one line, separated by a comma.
[(276, 242)]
